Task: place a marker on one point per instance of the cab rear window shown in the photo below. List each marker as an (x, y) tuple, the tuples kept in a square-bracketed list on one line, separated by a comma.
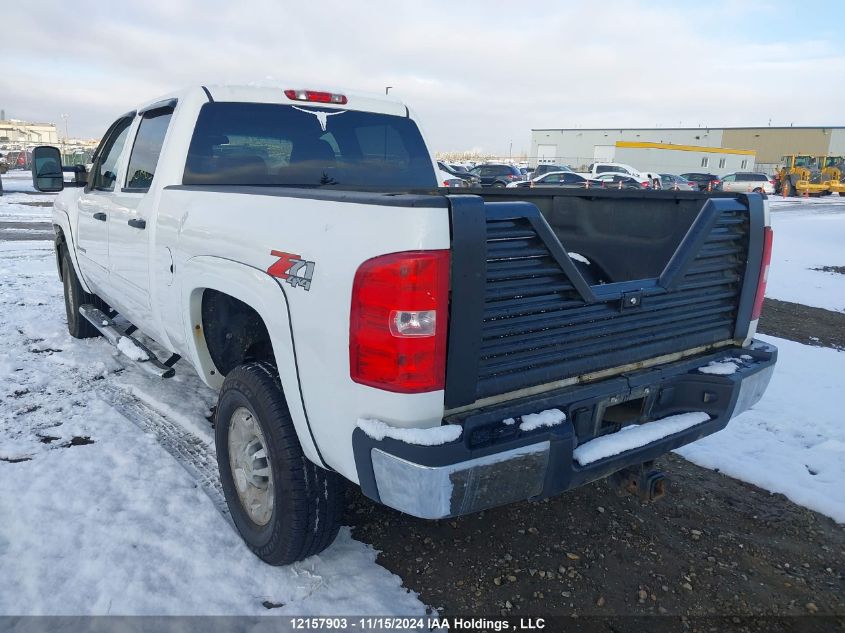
[(305, 146)]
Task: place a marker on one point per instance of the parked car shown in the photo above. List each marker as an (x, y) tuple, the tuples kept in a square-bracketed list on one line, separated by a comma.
[(442, 352), (497, 174), (620, 181), (646, 178), (456, 171), (678, 183), (554, 179), (705, 182), (541, 170), (447, 179), (747, 181)]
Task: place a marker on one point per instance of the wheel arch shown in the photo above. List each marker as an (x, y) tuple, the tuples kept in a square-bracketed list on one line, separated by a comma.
[(65, 239), (250, 294)]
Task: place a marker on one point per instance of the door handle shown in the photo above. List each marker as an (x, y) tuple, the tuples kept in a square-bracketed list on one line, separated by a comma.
[(100, 216), (137, 224)]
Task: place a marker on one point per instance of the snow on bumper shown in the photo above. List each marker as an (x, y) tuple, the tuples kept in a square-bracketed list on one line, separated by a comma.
[(495, 461)]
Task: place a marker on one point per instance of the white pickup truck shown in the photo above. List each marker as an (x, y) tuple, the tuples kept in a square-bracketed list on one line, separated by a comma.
[(647, 178), (447, 351)]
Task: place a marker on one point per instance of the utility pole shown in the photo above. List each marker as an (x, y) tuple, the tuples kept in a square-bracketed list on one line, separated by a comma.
[(65, 117)]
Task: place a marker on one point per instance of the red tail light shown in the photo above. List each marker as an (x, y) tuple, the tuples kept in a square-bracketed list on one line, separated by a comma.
[(313, 95), (398, 322), (757, 310)]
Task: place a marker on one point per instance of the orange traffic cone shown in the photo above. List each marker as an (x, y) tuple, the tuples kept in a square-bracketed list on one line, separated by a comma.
[(709, 186)]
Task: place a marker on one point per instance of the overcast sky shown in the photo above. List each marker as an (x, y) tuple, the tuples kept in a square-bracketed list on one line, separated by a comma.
[(479, 75)]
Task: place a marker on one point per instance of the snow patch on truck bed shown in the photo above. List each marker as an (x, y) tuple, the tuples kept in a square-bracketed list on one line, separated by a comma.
[(550, 417), (635, 436), (434, 436)]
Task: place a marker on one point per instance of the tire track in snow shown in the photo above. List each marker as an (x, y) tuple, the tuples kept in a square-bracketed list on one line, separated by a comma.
[(196, 456)]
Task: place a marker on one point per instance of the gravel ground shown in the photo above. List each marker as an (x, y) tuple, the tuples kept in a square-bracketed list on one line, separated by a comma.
[(713, 546), (790, 321)]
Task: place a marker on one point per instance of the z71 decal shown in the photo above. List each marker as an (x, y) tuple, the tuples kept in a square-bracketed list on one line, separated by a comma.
[(293, 269)]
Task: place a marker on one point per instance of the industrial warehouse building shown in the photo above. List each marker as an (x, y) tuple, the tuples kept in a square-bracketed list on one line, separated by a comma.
[(679, 150), (15, 133)]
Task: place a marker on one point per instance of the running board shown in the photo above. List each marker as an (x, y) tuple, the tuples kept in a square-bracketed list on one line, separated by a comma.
[(113, 334)]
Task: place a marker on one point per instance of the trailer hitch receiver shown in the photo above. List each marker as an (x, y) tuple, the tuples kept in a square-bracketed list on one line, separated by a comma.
[(643, 481)]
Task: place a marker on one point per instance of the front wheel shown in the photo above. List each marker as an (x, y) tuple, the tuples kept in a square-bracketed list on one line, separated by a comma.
[(285, 507), (499, 185), (75, 296)]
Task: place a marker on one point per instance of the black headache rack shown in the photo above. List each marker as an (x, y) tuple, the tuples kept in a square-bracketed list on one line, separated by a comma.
[(667, 273)]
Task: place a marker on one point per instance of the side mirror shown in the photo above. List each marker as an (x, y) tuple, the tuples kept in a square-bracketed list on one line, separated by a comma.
[(47, 169)]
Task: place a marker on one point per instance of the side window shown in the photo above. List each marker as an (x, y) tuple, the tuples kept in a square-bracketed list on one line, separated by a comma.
[(730, 178), (105, 169), (601, 169), (145, 152)]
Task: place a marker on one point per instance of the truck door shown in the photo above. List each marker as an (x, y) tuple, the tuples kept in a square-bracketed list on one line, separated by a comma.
[(93, 225), (132, 214)]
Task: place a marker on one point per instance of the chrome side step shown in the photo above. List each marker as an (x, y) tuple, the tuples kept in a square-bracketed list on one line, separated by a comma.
[(113, 334)]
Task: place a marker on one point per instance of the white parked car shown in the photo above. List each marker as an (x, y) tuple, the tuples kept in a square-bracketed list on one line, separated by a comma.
[(743, 182)]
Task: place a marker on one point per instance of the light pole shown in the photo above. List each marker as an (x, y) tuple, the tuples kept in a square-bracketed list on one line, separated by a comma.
[(65, 117), (387, 89)]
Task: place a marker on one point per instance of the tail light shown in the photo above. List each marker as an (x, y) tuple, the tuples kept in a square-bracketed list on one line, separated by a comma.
[(757, 310), (315, 96), (398, 322)]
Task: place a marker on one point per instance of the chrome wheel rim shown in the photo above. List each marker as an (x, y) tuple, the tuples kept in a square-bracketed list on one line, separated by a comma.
[(250, 465)]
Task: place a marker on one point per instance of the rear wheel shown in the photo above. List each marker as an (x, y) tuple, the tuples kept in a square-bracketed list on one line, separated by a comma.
[(285, 507), (500, 185), (75, 296)]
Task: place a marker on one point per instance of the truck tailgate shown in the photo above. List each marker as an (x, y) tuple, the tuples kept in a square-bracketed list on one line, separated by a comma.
[(525, 313)]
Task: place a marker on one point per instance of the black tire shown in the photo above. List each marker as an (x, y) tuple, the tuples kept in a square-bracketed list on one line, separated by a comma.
[(788, 189), (758, 190), (842, 193), (307, 499), (499, 185), (75, 296)]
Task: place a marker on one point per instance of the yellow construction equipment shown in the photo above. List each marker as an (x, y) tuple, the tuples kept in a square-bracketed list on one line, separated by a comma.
[(800, 175), (832, 168)]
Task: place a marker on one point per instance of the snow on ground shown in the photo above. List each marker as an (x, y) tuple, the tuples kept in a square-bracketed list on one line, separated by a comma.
[(808, 235), (96, 518), (793, 440), (19, 204)]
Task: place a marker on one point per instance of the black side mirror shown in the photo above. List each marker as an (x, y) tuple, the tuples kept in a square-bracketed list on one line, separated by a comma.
[(47, 169)]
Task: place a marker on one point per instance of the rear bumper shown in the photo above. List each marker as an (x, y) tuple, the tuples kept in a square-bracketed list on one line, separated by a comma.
[(493, 463)]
